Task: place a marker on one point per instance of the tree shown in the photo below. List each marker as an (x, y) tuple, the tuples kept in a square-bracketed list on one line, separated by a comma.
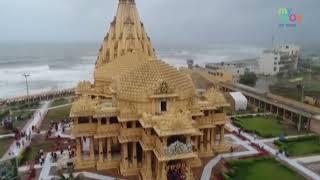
[(248, 78)]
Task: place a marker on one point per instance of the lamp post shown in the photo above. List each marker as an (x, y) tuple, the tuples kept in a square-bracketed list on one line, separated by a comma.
[(26, 75)]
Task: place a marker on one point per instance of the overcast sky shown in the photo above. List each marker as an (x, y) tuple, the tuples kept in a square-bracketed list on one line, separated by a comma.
[(166, 21)]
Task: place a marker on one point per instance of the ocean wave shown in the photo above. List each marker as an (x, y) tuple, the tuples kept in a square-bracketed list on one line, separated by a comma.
[(52, 71)]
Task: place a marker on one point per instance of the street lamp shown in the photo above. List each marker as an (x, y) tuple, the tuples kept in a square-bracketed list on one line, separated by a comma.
[(26, 75)]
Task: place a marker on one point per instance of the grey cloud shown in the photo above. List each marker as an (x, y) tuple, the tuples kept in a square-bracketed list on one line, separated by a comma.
[(167, 21)]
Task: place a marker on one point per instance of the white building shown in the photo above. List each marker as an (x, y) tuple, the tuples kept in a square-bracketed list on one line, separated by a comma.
[(269, 63), (238, 101), (282, 58), (236, 68)]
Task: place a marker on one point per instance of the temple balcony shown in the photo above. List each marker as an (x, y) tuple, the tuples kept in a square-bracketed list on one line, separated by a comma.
[(105, 165), (86, 129), (130, 170), (211, 121), (130, 135), (107, 130), (175, 151), (106, 112), (87, 164), (124, 117), (147, 142)]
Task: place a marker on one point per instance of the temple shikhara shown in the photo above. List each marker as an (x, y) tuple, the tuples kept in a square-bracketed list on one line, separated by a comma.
[(142, 117)]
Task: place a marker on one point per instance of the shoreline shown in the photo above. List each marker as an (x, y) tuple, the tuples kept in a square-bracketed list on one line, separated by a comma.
[(39, 96)]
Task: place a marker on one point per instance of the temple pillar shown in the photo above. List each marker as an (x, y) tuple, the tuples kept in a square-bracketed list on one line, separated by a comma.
[(100, 150), (134, 154), (109, 155), (201, 141), (148, 165), (212, 138), (277, 111), (78, 149), (284, 114), (208, 140), (91, 149), (124, 149), (221, 135), (163, 170), (196, 143)]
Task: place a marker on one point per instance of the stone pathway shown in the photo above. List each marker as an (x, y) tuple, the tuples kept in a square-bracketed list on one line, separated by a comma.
[(62, 159), (35, 121), (308, 159), (206, 174), (287, 137), (63, 105)]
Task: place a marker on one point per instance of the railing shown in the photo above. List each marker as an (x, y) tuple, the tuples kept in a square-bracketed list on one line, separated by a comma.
[(131, 132), (215, 118), (131, 115), (108, 128), (87, 128)]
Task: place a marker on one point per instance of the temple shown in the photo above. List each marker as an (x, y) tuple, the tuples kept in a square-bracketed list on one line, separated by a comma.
[(141, 116)]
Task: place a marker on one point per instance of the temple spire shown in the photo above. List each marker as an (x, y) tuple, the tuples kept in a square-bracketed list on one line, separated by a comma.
[(126, 34)]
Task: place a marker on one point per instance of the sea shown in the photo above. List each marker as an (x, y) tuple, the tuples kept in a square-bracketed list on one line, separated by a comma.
[(56, 66)]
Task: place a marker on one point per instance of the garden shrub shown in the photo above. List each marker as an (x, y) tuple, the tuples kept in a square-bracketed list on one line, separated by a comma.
[(21, 158)]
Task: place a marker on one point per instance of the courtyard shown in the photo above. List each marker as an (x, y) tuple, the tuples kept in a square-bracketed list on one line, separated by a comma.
[(264, 126)]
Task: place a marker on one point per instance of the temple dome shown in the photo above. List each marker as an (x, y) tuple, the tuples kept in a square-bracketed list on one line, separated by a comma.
[(136, 77)]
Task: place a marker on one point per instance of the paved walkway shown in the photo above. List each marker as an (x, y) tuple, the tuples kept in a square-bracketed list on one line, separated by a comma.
[(63, 105), (291, 162), (308, 159), (62, 159), (6, 136), (277, 138), (206, 174), (35, 121)]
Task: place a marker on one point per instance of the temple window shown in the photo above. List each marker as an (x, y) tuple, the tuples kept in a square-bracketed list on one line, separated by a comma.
[(83, 120), (94, 120), (104, 121), (163, 106), (113, 120), (206, 113), (129, 125)]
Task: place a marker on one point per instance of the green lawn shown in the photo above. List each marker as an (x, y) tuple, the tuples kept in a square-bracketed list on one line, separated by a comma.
[(264, 126), (60, 101), (300, 146), (55, 115), (260, 169), (4, 145)]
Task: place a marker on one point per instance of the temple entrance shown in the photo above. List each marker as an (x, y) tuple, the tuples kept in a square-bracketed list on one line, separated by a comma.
[(176, 170)]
